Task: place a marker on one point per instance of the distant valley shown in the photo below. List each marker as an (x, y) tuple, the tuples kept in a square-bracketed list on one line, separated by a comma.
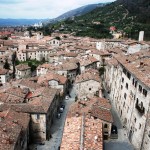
[(19, 22), (72, 13)]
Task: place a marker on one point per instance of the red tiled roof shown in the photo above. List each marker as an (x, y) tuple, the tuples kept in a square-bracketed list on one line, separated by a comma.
[(82, 132), (52, 76)]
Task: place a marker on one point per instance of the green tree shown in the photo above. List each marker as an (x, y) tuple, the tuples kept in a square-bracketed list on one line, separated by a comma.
[(30, 64), (33, 68), (6, 65), (58, 38)]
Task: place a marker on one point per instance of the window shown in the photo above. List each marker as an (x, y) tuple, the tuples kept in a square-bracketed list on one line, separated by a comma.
[(141, 104), (123, 104), (124, 71), (135, 84), (144, 92), (122, 79), (125, 95), (105, 126), (149, 134), (126, 85), (38, 116), (133, 81), (128, 75), (139, 126), (135, 120), (89, 89), (140, 88), (121, 87)]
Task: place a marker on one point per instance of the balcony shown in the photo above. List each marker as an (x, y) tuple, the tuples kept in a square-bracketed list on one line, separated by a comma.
[(140, 108)]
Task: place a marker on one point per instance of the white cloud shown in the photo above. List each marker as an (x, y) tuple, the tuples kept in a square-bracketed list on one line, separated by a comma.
[(40, 8)]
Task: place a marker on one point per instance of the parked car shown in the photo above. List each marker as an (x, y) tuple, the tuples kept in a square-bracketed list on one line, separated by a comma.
[(62, 106), (42, 143), (61, 110), (67, 97), (58, 116), (114, 129)]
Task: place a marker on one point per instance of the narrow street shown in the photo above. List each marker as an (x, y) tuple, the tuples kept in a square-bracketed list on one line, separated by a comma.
[(58, 127), (122, 143)]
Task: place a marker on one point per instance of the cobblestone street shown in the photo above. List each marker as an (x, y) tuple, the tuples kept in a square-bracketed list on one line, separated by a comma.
[(57, 128), (122, 143)]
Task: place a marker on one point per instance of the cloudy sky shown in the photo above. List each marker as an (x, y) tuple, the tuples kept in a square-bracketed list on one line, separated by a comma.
[(40, 8)]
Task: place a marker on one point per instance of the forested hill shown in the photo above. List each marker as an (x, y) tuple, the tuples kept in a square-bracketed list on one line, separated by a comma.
[(128, 16), (140, 8)]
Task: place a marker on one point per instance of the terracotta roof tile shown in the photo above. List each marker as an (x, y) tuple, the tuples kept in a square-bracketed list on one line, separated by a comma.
[(52, 76), (88, 76), (22, 67)]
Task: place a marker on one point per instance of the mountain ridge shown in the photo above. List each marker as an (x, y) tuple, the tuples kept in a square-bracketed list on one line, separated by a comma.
[(75, 12), (128, 17)]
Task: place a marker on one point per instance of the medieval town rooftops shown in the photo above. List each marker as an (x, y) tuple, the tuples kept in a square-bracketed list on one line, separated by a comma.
[(13, 95), (87, 76), (67, 66), (96, 107), (3, 49), (84, 133), (71, 60), (112, 61), (13, 125), (43, 91), (71, 54), (52, 76), (137, 64), (22, 67), (101, 53), (115, 50), (29, 84), (18, 92), (9, 98), (3, 71), (39, 101), (71, 135), (87, 60), (46, 66)]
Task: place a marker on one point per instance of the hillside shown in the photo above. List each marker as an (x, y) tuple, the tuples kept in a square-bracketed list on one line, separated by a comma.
[(76, 12), (140, 8), (128, 16), (79, 11)]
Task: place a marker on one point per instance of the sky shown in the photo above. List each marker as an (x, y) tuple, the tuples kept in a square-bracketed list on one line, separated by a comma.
[(40, 9)]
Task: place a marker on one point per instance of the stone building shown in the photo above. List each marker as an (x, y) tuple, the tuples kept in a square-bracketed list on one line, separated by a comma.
[(14, 131), (23, 71), (4, 76), (41, 104), (88, 84), (127, 82)]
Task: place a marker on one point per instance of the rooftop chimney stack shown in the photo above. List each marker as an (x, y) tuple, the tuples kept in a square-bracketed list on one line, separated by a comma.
[(141, 36)]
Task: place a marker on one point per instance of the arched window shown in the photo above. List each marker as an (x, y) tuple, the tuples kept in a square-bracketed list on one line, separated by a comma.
[(105, 126)]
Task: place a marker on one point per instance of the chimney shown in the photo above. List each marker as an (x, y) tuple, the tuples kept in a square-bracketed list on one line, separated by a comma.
[(141, 36)]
